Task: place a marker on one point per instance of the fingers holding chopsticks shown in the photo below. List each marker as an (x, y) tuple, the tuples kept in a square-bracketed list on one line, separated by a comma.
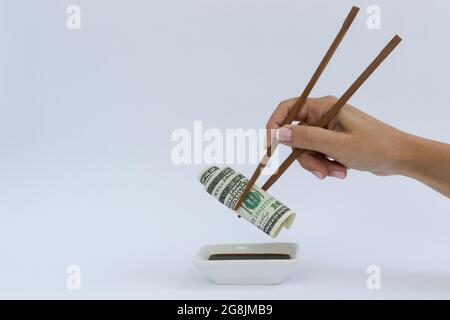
[(313, 109), (355, 140)]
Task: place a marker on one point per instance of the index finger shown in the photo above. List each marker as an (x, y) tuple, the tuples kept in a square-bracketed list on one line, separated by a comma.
[(278, 117)]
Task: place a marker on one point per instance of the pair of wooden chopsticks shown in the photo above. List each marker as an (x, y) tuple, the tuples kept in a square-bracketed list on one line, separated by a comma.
[(329, 115)]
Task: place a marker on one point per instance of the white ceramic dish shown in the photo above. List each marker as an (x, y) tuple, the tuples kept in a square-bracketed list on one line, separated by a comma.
[(243, 272)]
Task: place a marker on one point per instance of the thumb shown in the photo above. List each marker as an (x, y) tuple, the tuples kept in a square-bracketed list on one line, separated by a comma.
[(312, 138)]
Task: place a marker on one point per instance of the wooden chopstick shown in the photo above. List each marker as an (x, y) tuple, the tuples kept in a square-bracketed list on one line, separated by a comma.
[(298, 105), (333, 111)]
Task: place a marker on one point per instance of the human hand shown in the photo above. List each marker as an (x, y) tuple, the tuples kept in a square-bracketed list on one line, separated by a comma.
[(353, 139)]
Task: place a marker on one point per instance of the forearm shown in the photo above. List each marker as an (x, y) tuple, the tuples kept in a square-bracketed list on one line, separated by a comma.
[(427, 161)]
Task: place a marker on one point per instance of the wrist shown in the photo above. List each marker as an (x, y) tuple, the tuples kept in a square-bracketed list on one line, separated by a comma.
[(408, 156)]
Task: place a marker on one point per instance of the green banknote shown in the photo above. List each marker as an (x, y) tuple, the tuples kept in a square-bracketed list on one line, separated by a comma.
[(259, 207)]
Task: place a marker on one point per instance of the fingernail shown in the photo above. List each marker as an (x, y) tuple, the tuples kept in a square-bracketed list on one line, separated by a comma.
[(338, 174), (318, 174), (284, 135)]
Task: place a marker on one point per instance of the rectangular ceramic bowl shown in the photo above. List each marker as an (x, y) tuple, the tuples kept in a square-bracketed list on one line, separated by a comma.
[(244, 272)]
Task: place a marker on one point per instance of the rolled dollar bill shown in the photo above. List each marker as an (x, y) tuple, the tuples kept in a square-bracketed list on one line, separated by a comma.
[(259, 207)]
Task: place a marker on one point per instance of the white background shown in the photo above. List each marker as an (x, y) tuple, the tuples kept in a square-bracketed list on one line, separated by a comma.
[(86, 117)]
